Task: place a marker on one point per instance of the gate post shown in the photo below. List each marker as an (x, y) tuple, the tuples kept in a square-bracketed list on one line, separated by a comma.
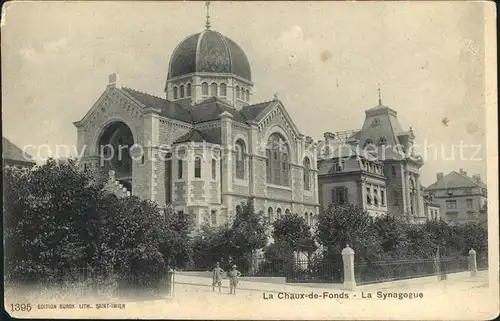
[(170, 283), (349, 277), (472, 262)]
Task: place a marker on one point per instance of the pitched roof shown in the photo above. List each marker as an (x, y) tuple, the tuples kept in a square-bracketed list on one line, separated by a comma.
[(11, 152), (211, 108), (196, 135), (206, 110), (168, 108), (251, 112), (455, 180)]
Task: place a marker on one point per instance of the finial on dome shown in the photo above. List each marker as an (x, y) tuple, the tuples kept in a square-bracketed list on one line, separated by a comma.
[(207, 25), (379, 96), (276, 96)]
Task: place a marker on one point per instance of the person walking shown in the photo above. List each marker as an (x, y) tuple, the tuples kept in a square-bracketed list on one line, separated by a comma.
[(217, 277), (233, 274)]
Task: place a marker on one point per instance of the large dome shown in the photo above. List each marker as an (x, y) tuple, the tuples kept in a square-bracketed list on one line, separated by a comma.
[(209, 51)]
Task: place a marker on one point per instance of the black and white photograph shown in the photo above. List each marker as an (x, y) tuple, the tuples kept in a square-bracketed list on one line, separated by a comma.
[(250, 160)]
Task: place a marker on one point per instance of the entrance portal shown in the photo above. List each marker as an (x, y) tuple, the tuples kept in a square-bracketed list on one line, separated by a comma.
[(114, 152)]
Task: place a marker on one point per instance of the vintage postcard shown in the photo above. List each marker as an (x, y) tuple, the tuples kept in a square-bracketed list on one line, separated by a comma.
[(250, 160)]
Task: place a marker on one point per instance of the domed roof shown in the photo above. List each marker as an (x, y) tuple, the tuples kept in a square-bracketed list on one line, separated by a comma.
[(209, 51)]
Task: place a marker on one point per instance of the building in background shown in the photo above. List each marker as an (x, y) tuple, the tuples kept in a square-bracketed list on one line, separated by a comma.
[(461, 198), (432, 209), (205, 147), (13, 156), (348, 177), (381, 143)]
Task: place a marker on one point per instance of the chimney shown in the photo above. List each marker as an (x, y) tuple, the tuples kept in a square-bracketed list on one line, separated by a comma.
[(439, 176), (329, 137), (113, 80)]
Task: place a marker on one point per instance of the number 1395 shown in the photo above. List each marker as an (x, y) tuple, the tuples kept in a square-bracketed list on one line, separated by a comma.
[(20, 307)]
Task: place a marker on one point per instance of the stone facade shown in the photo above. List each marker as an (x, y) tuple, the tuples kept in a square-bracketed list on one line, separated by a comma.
[(203, 152)]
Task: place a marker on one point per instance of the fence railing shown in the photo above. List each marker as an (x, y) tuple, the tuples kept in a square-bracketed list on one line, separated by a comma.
[(331, 270), (376, 272)]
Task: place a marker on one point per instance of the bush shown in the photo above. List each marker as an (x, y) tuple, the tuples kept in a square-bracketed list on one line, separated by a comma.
[(58, 218)]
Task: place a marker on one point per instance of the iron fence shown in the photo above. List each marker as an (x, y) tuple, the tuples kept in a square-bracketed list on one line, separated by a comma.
[(385, 271), (316, 270)]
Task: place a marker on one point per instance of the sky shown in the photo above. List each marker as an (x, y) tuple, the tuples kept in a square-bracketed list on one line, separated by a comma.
[(325, 59)]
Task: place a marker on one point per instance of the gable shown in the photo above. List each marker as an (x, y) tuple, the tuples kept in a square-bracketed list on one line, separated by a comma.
[(276, 114), (112, 102)]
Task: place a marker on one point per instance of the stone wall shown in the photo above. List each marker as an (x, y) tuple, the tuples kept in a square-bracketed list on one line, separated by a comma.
[(197, 191)]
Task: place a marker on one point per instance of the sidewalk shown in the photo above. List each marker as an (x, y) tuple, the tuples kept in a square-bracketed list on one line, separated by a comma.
[(258, 286), (461, 280)]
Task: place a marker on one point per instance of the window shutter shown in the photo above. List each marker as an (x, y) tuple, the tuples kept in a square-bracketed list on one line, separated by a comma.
[(346, 197)]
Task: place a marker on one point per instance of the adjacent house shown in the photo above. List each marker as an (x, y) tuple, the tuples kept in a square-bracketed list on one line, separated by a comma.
[(13, 156), (461, 198)]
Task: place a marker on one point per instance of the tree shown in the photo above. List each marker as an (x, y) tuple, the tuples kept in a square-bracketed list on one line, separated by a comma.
[(293, 230), (174, 238), (51, 220), (211, 245), (58, 217), (247, 233), (345, 224), (392, 232)]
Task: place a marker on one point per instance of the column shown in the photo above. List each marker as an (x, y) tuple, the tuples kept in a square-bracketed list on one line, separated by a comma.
[(349, 276), (372, 194), (227, 165), (253, 144), (472, 263)]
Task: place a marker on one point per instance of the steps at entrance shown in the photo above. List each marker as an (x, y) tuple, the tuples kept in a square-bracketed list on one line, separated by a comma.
[(115, 187)]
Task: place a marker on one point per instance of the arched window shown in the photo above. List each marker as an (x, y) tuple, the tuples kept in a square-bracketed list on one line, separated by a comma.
[(287, 212), (393, 171), (311, 219), (175, 92), (179, 168), (213, 89), (247, 98), (214, 168), (242, 93), (278, 213), (382, 141), (188, 90), (307, 174), (268, 166), (238, 208), (182, 91), (278, 167), (270, 214), (240, 159), (223, 90), (237, 89), (197, 167), (306, 216), (204, 89)]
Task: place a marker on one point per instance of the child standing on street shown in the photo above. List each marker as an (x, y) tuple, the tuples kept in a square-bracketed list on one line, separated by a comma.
[(233, 279), (217, 277)]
